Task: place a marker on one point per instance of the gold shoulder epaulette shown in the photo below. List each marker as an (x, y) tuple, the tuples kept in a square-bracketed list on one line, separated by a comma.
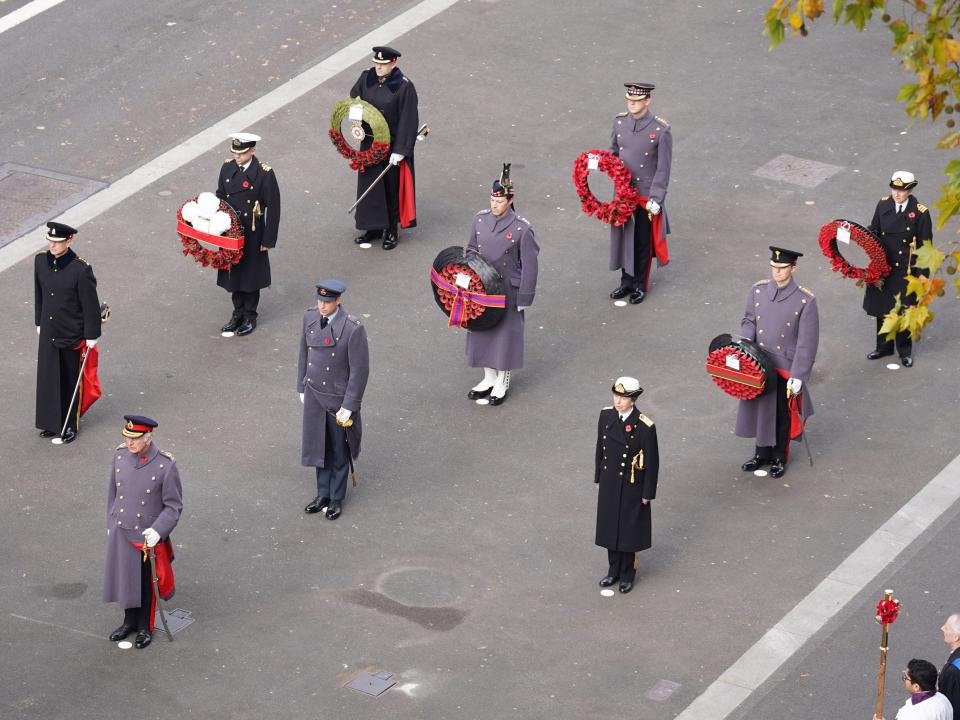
[(885, 197), (121, 445), (265, 167), (228, 161), (606, 407), (623, 114), (166, 454), (803, 289), (921, 207), (761, 282), (645, 420), (661, 121), (83, 260)]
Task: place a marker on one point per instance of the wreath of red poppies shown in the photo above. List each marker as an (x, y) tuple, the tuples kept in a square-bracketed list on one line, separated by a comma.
[(744, 384), (625, 198), (221, 259), (471, 310), (876, 270), (359, 159)]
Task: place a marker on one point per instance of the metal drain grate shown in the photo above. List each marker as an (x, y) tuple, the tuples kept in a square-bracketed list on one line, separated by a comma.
[(31, 196), (177, 619), (372, 684)]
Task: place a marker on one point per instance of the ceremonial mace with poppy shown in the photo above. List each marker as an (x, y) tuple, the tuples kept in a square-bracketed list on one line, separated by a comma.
[(887, 610)]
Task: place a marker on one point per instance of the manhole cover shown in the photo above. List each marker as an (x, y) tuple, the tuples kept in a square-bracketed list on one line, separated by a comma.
[(177, 620), (31, 196), (797, 171), (372, 684), (421, 586)]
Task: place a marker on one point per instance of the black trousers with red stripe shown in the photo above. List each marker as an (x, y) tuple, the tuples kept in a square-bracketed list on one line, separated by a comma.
[(780, 451)]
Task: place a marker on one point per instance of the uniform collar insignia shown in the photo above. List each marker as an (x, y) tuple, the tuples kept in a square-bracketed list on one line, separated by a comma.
[(394, 79)]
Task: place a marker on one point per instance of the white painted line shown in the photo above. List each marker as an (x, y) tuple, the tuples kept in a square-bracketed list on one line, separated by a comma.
[(59, 627), (216, 134), (11, 20), (840, 587)]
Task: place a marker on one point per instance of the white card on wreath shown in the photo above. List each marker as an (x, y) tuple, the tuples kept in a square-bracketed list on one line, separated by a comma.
[(733, 362), (593, 162), (356, 112), (843, 233), (463, 281)]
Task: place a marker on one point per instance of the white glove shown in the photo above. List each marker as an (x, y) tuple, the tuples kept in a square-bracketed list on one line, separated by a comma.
[(151, 537), (343, 415), (395, 158), (653, 207), (521, 308), (794, 385), (301, 398), (38, 329), (92, 343)]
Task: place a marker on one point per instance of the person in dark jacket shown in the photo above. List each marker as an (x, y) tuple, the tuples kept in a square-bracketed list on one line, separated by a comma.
[(626, 469), (250, 188), (949, 680), (390, 91), (902, 224), (67, 313)]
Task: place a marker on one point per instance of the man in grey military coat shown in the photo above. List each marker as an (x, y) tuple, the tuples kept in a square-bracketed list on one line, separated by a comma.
[(331, 377), (644, 143), (782, 318), (144, 503), (506, 241)]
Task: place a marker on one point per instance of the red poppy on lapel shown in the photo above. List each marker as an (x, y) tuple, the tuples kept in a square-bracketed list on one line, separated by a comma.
[(326, 341), (509, 235), (653, 136), (628, 428), (246, 184), (911, 214)]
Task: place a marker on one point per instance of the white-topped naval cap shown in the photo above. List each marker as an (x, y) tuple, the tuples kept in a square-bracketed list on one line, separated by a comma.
[(903, 180)]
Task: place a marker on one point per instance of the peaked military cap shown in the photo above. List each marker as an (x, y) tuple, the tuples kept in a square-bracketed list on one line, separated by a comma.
[(58, 232), (243, 141), (503, 186), (627, 387), (638, 91), (383, 54), (903, 180), (330, 289), (781, 257), (135, 426)]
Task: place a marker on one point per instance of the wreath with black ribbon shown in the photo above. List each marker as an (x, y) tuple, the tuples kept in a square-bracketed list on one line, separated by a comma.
[(369, 136)]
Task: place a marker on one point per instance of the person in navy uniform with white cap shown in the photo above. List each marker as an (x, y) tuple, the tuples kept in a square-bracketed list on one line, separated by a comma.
[(67, 313), (507, 242), (782, 318), (644, 143), (332, 373), (902, 225), (144, 504), (250, 187), (626, 469), (390, 91)]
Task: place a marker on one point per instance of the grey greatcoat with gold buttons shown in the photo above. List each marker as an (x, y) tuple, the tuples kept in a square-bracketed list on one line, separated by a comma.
[(508, 244), (627, 468), (255, 195), (144, 491), (896, 233), (331, 373), (785, 322), (646, 147)]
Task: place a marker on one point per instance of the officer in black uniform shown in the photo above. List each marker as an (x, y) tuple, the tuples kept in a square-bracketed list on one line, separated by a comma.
[(250, 188), (903, 225), (66, 312), (392, 93)]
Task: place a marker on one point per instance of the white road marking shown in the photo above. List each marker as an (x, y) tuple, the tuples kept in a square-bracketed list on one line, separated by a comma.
[(11, 20), (217, 133), (839, 588), (59, 627)]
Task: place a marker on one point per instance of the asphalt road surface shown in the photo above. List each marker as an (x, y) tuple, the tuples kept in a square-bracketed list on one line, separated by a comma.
[(464, 562)]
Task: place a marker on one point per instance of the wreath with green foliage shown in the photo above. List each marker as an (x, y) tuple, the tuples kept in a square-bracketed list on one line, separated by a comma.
[(374, 119)]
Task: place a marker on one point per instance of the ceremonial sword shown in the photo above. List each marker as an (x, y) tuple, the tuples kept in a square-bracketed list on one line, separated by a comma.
[(346, 424), (421, 134), (148, 553), (104, 316)]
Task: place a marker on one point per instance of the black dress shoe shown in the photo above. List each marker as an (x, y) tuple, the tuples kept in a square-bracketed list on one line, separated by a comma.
[(48, 433), (368, 237), (334, 510), (494, 400), (144, 638), (247, 327), (475, 394), (121, 632), (754, 463), (69, 436), (232, 324), (877, 354), (906, 361), (318, 504), (621, 292), (390, 240), (625, 587), (777, 469), (637, 296), (608, 580)]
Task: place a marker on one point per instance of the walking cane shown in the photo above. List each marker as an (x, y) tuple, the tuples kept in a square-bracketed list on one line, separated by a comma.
[(887, 610), (59, 439)]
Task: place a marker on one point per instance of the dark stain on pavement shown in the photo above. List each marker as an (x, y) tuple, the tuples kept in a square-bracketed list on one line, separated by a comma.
[(440, 619), (63, 591)]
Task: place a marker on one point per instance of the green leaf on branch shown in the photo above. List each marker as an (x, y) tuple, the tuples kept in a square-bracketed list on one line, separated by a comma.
[(900, 30), (929, 257)]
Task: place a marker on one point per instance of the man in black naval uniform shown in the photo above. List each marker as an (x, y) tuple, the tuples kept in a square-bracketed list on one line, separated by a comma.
[(392, 93), (626, 470), (250, 188), (902, 225), (66, 312)]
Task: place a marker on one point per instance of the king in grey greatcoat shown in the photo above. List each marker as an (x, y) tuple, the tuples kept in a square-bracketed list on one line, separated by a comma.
[(644, 142), (782, 318), (332, 373), (507, 242), (902, 225), (144, 504), (627, 466)]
